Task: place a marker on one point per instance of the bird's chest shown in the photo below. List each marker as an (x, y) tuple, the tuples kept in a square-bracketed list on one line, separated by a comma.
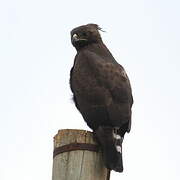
[(85, 84), (83, 79)]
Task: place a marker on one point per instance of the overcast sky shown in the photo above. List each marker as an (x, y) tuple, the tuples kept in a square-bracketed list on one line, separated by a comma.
[(35, 99)]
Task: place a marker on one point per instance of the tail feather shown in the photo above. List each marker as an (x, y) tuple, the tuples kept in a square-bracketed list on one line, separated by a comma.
[(111, 143)]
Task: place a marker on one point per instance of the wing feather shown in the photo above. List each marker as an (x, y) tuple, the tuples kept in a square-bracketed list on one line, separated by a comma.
[(110, 75)]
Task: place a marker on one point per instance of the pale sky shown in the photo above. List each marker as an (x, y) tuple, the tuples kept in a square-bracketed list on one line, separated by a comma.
[(35, 99)]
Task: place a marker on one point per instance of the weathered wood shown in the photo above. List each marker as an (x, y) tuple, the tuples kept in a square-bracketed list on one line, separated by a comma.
[(77, 164)]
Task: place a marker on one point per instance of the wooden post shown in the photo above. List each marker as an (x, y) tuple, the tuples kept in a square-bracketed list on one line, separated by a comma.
[(77, 164)]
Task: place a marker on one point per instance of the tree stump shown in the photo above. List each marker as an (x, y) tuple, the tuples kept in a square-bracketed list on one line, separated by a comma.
[(76, 157)]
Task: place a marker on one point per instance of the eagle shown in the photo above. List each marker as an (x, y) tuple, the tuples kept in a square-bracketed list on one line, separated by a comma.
[(101, 92)]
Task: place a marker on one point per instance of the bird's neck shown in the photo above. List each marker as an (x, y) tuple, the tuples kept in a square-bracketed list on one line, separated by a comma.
[(100, 49)]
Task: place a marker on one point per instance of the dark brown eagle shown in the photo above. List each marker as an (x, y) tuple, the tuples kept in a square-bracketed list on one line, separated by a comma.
[(101, 92)]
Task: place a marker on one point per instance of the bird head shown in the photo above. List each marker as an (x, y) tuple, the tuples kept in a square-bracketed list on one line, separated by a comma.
[(85, 35)]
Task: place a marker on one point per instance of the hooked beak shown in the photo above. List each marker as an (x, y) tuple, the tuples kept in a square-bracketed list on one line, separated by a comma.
[(76, 38)]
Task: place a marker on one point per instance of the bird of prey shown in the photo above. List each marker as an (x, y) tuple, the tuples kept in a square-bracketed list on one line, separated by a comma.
[(101, 92)]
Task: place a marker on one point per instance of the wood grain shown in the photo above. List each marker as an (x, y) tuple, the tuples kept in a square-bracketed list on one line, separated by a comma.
[(78, 164)]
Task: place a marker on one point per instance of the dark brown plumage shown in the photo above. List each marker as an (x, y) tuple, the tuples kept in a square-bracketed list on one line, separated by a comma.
[(101, 92)]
